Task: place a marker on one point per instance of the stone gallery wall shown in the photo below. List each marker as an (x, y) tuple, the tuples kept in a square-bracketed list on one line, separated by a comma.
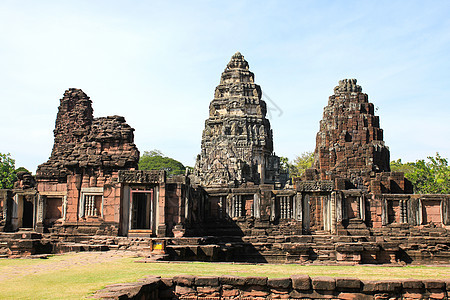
[(293, 287)]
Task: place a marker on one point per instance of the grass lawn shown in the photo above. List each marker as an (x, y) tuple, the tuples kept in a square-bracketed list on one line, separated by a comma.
[(75, 276)]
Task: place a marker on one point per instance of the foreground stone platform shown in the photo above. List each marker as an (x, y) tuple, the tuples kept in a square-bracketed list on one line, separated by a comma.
[(294, 287), (432, 246)]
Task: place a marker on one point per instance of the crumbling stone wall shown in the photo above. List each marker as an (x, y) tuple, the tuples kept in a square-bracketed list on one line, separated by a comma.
[(237, 141)]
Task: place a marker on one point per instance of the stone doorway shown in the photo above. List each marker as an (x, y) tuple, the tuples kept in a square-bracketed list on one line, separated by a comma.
[(28, 212), (142, 212)]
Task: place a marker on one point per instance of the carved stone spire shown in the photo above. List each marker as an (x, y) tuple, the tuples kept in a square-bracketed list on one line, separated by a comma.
[(350, 142), (237, 140)]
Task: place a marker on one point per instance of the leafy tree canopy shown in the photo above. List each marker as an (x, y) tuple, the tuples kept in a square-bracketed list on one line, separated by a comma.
[(428, 177), (22, 169), (155, 160), (301, 163), (7, 171)]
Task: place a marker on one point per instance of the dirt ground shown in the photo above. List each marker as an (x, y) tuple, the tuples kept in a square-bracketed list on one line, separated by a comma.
[(75, 259)]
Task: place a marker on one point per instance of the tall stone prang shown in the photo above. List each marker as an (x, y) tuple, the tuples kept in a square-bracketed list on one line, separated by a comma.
[(237, 140), (85, 142), (350, 144)]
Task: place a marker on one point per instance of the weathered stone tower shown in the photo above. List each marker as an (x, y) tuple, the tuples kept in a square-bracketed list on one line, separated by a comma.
[(82, 141), (237, 141), (350, 144)]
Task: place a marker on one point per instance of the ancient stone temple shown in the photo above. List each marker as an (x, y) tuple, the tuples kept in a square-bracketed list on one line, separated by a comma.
[(349, 208), (350, 142), (237, 145)]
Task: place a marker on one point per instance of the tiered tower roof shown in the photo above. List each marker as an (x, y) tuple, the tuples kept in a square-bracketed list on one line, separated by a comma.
[(237, 140), (350, 142)]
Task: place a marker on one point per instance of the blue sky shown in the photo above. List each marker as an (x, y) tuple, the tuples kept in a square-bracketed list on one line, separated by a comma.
[(157, 63)]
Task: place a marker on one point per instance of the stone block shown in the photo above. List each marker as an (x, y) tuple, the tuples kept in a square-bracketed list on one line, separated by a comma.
[(348, 283), (434, 284), (230, 292), (208, 291), (261, 281), (207, 281), (324, 283), (354, 296), (232, 280), (254, 292), (369, 286), (388, 286), (277, 283), (182, 290), (412, 284), (187, 280), (296, 294), (301, 282)]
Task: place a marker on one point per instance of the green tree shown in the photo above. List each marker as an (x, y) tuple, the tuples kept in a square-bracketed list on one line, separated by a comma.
[(155, 160), (427, 177), (301, 163), (7, 171), (22, 169)]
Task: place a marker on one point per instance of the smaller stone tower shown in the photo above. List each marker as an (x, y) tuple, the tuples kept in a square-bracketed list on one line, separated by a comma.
[(350, 143)]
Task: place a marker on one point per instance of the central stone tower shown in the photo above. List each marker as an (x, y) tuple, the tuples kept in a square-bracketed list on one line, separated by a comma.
[(237, 140)]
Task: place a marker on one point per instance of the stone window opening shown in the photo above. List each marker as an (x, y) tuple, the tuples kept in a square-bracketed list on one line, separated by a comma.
[(91, 203), (237, 206), (284, 207)]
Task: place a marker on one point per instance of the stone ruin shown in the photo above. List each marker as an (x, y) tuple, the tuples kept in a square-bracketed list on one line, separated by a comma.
[(348, 208), (87, 144), (237, 143), (350, 143)]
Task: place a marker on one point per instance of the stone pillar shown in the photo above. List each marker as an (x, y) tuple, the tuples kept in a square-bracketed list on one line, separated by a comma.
[(420, 219), (257, 205), (413, 211), (403, 211), (358, 207), (325, 214), (362, 207), (162, 227), (298, 207), (333, 213), (339, 207), (306, 213), (384, 212), (40, 214), (446, 211)]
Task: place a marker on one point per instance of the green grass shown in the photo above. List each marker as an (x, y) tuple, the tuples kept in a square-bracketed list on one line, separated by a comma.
[(60, 278)]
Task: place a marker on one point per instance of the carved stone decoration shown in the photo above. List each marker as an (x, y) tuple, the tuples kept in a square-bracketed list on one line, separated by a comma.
[(350, 142), (141, 176), (239, 152), (314, 186)]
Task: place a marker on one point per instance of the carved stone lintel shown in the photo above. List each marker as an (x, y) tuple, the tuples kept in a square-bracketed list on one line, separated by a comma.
[(141, 176), (315, 186)]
